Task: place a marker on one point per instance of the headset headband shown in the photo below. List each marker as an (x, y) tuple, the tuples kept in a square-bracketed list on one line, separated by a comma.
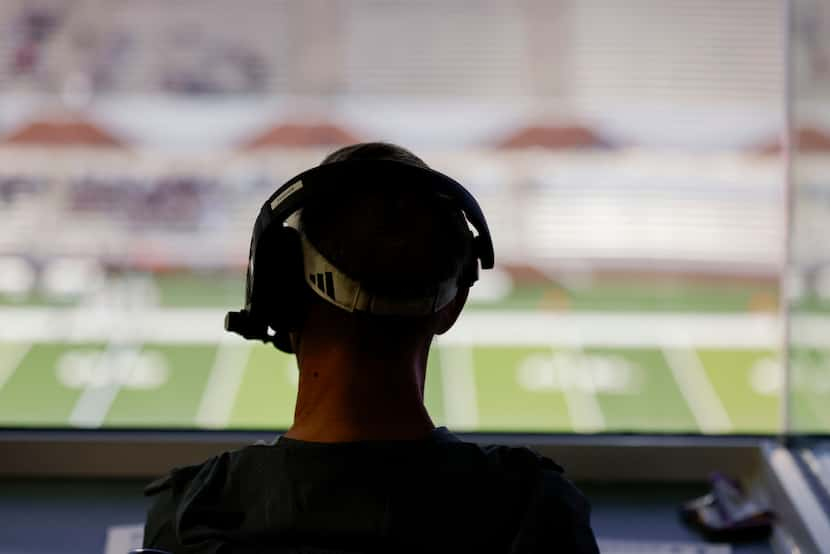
[(317, 182), (337, 288), (294, 193)]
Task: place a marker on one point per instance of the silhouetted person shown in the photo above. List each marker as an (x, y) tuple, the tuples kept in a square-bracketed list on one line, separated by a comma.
[(363, 467)]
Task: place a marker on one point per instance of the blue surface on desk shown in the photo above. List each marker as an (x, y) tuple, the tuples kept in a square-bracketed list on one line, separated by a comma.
[(59, 516)]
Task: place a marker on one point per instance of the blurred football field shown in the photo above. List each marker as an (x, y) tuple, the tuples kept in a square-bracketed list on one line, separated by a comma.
[(617, 356)]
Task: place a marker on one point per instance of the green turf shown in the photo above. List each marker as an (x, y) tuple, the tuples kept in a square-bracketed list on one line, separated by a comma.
[(268, 393), (524, 297), (655, 404), (33, 396), (810, 382), (503, 404), (632, 390), (745, 381), (36, 299), (433, 390), (196, 290), (269, 388), (226, 290), (811, 304), (174, 404), (672, 296), (645, 295), (661, 295)]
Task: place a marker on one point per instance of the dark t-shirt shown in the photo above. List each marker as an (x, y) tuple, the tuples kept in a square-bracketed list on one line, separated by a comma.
[(434, 495)]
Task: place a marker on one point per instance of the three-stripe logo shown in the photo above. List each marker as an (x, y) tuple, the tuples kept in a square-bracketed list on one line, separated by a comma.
[(324, 282)]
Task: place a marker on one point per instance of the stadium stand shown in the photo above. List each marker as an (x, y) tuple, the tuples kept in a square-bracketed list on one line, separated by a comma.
[(553, 138), (490, 49), (64, 130), (810, 140), (612, 208), (301, 135)]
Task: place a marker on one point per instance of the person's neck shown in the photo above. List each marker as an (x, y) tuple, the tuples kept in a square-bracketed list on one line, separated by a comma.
[(348, 393)]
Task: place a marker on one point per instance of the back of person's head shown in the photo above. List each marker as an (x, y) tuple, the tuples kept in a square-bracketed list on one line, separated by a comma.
[(370, 239), (396, 241)]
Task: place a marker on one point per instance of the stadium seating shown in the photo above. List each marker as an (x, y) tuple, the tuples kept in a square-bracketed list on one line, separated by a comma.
[(609, 208)]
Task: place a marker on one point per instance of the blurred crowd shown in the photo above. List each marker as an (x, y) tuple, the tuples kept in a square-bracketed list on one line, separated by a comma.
[(47, 53)]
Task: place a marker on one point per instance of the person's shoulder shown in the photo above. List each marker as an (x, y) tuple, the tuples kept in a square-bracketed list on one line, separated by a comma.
[(211, 468), (521, 457), (175, 476), (551, 489), (177, 489), (183, 477), (160, 524), (557, 513), (518, 457), (560, 515)]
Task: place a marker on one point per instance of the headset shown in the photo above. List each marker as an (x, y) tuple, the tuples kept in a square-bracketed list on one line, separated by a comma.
[(282, 261)]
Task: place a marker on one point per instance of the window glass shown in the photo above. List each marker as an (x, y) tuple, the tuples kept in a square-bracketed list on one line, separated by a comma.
[(626, 155), (808, 283)]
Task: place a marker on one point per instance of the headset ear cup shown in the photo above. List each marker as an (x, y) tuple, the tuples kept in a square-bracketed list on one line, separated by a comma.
[(284, 280), (469, 274)]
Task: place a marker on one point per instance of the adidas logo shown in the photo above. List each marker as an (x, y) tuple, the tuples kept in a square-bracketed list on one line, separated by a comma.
[(324, 282)]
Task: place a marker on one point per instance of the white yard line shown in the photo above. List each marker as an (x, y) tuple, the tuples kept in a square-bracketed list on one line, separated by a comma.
[(132, 296), (583, 407), (95, 402), (497, 328), (223, 384), (11, 357), (585, 412), (616, 329), (459, 386), (697, 389)]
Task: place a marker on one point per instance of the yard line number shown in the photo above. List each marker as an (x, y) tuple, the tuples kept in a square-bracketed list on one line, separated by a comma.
[(128, 368)]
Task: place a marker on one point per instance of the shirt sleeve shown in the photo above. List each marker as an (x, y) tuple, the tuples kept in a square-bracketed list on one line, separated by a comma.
[(159, 528), (558, 519), (160, 525)]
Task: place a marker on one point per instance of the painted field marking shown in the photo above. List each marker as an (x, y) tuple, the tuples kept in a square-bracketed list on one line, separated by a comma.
[(223, 384), (597, 373), (582, 403), (122, 355), (765, 376), (619, 329), (459, 386), (127, 368), (501, 328), (11, 356), (697, 390), (95, 402)]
